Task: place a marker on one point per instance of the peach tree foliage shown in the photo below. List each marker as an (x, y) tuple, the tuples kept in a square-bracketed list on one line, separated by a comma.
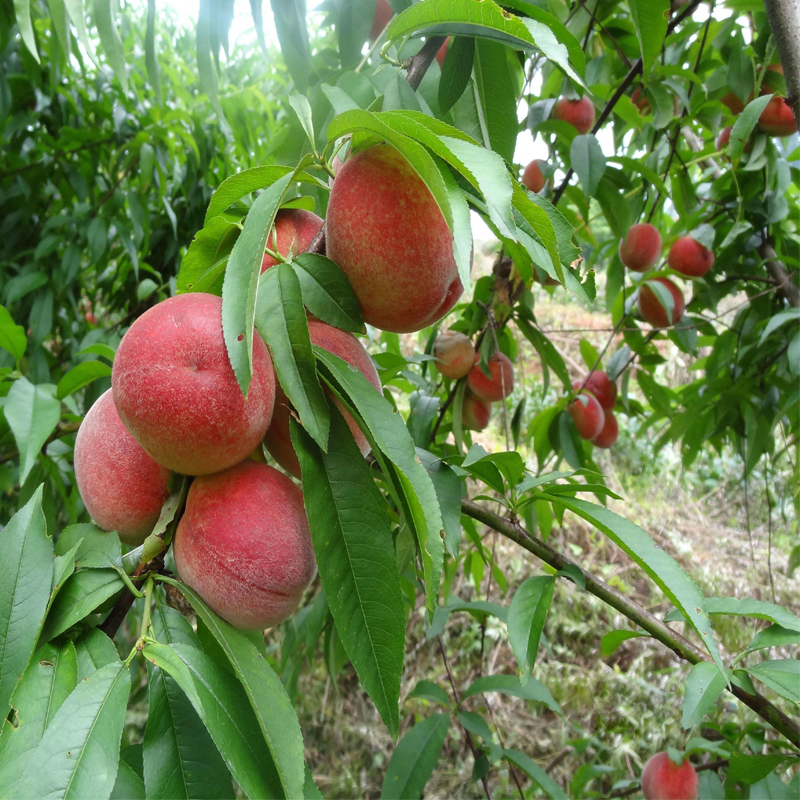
[(145, 164)]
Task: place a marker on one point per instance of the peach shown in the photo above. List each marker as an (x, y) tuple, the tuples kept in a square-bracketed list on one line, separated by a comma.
[(723, 138), (383, 13), (386, 232), (587, 414), (294, 231), (532, 178), (176, 392), (496, 387), (343, 344), (777, 118), (689, 257), (454, 354), (122, 488), (244, 546), (475, 413), (601, 386), (734, 104), (641, 247), (663, 779), (608, 433), (441, 53), (579, 113), (640, 100), (651, 308)]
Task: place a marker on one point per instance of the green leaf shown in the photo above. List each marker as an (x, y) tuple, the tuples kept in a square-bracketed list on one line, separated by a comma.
[(81, 375), (781, 676), (290, 25), (32, 413), (128, 785), (47, 681), (773, 636), (456, 71), (26, 575), (510, 684), (281, 320), (744, 125), (79, 752), (775, 322), (241, 280), (749, 769), (81, 594), (12, 336), (430, 691), (353, 545), (535, 773), (150, 57), (272, 706), (22, 12), (205, 65), (204, 263), (96, 547), (302, 108), (703, 686), (526, 617), (650, 21), (94, 650), (390, 438), (448, 492), (659, 565), (226, 712), (496, 82), (534, 211), (327, 293), (462, 230), (747, 607), (415, 757), (75, 11), (103, 15), (613, 639), (587, 159)]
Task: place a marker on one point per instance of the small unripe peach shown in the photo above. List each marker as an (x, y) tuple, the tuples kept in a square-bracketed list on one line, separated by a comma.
[(662, 779), (343, 344), (641, 247), (689, 257), (496, 387), (601, 386), (640, 100), (122, 488), (651, 308), (176, 392), (475, 413), (532, 177), (454, 354), (244, 546), (579, 113), (295, 229), (608, 433), (587, 414)]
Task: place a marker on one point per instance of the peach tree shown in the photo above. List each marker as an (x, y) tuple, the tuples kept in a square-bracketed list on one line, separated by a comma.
[(308, 206)]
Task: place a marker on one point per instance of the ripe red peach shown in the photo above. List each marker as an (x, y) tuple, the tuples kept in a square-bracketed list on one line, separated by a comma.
[(454, 354), (244, 546), (587, 414), (175, 389), (532, 178), (122, 488), (777, 119), (343, 344), (579, 113), (441, 53), (651, 308), (295, 229), (662, 779), (496, 387), (640, 249), (475, 413), (601, 386), (386, 232), (689, 257), (734, 104), (383, 13), (608, 433)]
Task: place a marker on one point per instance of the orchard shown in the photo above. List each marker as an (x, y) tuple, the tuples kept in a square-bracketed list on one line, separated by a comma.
[(399, 399)]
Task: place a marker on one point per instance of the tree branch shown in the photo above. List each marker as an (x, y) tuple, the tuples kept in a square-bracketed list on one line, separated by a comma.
[(783, 280), (681, 646), (418, 64), (784, 19), (62, 429)]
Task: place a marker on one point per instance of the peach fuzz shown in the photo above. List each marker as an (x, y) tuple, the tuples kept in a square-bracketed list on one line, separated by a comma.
[(532, 178), (122, 488), (496, 387), (294, 230), (578, 113), (386, 232), (244, 546), (587, 415), (651, 308), (343, 344), (175, 389), (475, 413), (601, 386), (640, 249), (454, 354), (663, 779), (690, 258), (608, 433)]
